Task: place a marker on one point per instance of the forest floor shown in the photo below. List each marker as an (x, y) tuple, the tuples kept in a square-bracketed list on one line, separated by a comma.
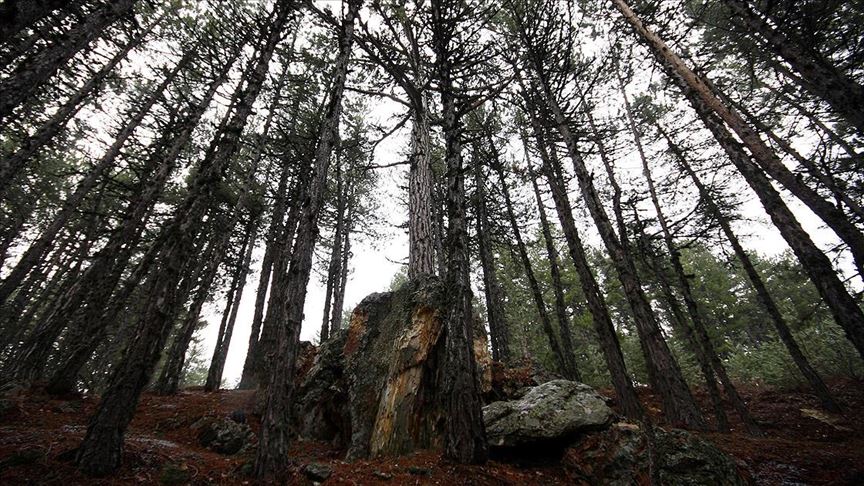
[(801, 445)]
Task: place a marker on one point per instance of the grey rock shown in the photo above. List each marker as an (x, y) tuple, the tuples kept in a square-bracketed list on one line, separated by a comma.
[(321, 408), (238, 416), (317, 471), (222, 435), (555, 411)]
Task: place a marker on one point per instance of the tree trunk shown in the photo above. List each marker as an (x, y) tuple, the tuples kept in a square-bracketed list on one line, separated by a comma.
[(276, 302), (18, 15), (664, 372), (601, 318), (88, 307), (464, 434), (272, 453), (27, 78), (277, 239), (837, 187), (35, 352), (572, 370), (37, 249), (702, 346), (333, 270), (756, 281), (205, 273), (699, 91), (10, 166), (499, 331), (220, 354), (786, 96), (339, 293), (818, 74), (421, 250), (843, 306), (536, 292), (10, 313), (100, 452)]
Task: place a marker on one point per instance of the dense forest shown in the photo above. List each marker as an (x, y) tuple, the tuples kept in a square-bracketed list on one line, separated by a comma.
[(663, 196)]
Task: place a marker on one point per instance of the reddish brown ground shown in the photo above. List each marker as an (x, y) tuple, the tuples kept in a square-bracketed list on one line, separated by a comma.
[(796, 449)]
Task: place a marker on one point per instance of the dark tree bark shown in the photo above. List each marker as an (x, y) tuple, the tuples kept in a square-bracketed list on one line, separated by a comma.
[(464, 435), (843, 306), (42, 295), (100, 452), (421, 249), (220, 353), (682, 328), (44, 335), (664, 372), (699, 91), (226, 328), (29, 147), (37, 249), (88, 306), (272, 455), (204, 275), (339, 292), (407, 67), (27, 78), (703, 346), (820, 76), (333, 269), (438, 213), (567, 350), (765, 298), (676, 315), (536, 292), (9, 313), (601, 318), (278, 237), (813, 118), (499, 332), (18, 15), (277, 302), (837, 186)]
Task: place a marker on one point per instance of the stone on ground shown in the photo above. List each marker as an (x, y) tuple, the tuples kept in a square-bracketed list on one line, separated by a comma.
[(553, 412)]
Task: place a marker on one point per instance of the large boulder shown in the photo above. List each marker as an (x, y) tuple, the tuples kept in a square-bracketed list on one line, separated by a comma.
[(552, 413), (620, 455), (376, 385)]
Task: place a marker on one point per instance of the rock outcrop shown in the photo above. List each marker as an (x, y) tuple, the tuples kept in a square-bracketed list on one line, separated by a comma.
[(375, 386), (374, 389), (554, 412)]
